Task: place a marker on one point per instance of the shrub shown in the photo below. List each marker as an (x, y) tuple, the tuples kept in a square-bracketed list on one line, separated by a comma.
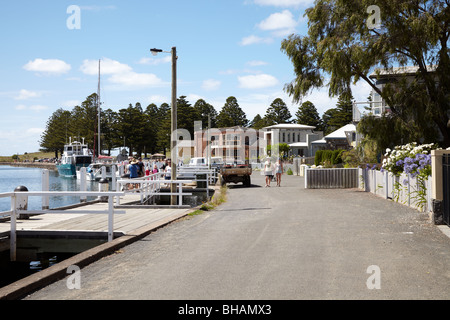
[(289, 172)]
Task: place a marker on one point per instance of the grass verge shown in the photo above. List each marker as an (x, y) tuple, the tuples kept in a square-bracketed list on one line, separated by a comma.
[(217, 199)]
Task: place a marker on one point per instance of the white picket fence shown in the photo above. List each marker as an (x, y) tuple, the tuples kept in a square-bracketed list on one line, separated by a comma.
[(389, 186)]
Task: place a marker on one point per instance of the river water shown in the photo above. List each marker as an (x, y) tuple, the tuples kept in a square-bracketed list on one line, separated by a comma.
[(31, 178)]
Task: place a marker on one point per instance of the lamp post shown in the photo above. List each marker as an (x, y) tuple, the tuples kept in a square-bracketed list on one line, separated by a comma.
[(173, 126)]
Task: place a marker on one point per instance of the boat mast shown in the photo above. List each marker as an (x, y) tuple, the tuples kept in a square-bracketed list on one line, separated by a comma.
[(98, 109)]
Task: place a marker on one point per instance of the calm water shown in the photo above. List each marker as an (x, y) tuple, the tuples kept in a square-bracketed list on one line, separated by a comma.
[(12, 177)]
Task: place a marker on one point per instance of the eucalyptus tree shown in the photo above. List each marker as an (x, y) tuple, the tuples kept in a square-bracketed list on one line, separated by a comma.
[(343, 46)]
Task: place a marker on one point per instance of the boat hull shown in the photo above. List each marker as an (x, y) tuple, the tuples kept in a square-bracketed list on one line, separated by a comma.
[(67, 170)]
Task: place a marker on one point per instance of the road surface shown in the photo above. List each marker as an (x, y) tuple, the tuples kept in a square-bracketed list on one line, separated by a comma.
[(278, 243)]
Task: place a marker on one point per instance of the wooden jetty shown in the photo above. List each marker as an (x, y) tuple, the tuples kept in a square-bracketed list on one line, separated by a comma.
[(72, 233)]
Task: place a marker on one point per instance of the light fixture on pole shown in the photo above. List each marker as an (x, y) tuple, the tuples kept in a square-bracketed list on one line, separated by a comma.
[(173, 127)]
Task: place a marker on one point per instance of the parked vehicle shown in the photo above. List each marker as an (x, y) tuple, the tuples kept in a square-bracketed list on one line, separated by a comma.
[(236, 173)]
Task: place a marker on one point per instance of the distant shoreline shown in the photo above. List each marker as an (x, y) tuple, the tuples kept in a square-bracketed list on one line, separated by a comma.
[(44, 165)]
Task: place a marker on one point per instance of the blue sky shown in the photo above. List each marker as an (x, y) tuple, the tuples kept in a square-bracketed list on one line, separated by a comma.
[(225, 48)]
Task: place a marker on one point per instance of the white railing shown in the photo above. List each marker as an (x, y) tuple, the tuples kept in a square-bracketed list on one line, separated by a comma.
[(151, 186), (20, 198), (403, 189)]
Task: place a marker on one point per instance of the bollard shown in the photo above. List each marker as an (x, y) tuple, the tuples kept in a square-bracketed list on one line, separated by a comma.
[(22, 202), (103, 186)]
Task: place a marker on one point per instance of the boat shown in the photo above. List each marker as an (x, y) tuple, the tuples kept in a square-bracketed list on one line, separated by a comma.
[(94, 170), (76, 155)]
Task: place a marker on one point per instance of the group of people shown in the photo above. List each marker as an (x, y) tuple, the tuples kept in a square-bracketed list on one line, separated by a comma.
[(271, 169), (136, 168)]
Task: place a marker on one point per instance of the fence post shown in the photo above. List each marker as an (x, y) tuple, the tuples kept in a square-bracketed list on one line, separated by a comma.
[(83, 179), (12, 233), (45, 187), (386, 184), (110, 218)]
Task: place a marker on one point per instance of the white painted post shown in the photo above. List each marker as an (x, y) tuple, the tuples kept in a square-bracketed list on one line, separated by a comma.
[(409, 191), (386, 184), (103, 172), (113, 178), (83, 183), (12, 233), (180, 191), (110, 218), (45, 187)]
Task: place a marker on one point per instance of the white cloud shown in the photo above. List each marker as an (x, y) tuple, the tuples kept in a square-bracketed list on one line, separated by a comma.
[(257, 81), (20, 107), (107, 66), (48, 66), (211, 84), (120, 73), (256, 63), (284, 3), (26, 94), (38, 108), (279, 20), (252, 39), (280, 23), (71, 103), (155, 61), (158, 99), (131, 79)]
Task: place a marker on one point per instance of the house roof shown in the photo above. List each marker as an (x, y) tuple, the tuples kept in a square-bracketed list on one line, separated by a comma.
[(407, 70), (340, 133), (289, 126), (299, 145)]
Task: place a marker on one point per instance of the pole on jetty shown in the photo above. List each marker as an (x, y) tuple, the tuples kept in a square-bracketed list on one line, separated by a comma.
[(45, 187), (174, 151)]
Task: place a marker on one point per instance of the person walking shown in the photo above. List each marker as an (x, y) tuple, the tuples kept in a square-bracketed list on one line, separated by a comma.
[(278, 171), (268, 171), (133, 169)]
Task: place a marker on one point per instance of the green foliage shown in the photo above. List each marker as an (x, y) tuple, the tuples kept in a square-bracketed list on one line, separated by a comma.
[(328, 157), (340, 49), (231, 114), (289, 172), (277, 113), (307, 114)]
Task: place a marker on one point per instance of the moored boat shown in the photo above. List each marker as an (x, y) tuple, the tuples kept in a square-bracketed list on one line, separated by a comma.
[(76, 155)]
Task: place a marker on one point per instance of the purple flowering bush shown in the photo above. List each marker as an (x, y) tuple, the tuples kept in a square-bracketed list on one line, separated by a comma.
[(411, 159)]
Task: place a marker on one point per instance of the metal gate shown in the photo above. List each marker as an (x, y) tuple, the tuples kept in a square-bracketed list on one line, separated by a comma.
[(446, 187)]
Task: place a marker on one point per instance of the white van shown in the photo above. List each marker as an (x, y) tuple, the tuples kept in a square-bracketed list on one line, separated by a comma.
[(202, 161)]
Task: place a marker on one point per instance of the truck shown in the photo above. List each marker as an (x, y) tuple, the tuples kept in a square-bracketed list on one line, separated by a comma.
[(236, 173)]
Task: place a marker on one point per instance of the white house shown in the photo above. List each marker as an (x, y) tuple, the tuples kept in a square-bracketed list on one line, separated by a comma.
[(299, 137), (342, 138)]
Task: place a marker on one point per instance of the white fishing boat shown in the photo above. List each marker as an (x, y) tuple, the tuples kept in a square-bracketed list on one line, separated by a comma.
[(76, 155)]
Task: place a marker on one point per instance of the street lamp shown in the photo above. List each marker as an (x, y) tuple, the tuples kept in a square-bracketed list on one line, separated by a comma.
[(173, 126)]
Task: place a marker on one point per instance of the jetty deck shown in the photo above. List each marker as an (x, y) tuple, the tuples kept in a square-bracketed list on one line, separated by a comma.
[(90, 226)]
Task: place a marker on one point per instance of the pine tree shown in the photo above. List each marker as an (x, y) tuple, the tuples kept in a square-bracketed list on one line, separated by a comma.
[(231, 114), (278, 112), (307, 114)]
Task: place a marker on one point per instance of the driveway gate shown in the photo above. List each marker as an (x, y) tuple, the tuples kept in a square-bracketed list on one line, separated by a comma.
[(446, 187)]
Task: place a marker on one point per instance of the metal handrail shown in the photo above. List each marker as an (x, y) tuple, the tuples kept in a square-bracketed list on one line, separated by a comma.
[(15, 210)]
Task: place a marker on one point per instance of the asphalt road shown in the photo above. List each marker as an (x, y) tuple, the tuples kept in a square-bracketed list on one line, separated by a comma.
[(278, 243)]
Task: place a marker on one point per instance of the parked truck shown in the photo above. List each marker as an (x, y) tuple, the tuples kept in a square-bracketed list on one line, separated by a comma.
[(236, 173)]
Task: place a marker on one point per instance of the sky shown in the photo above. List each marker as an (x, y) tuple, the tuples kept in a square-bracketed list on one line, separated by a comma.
[(51, 50)]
